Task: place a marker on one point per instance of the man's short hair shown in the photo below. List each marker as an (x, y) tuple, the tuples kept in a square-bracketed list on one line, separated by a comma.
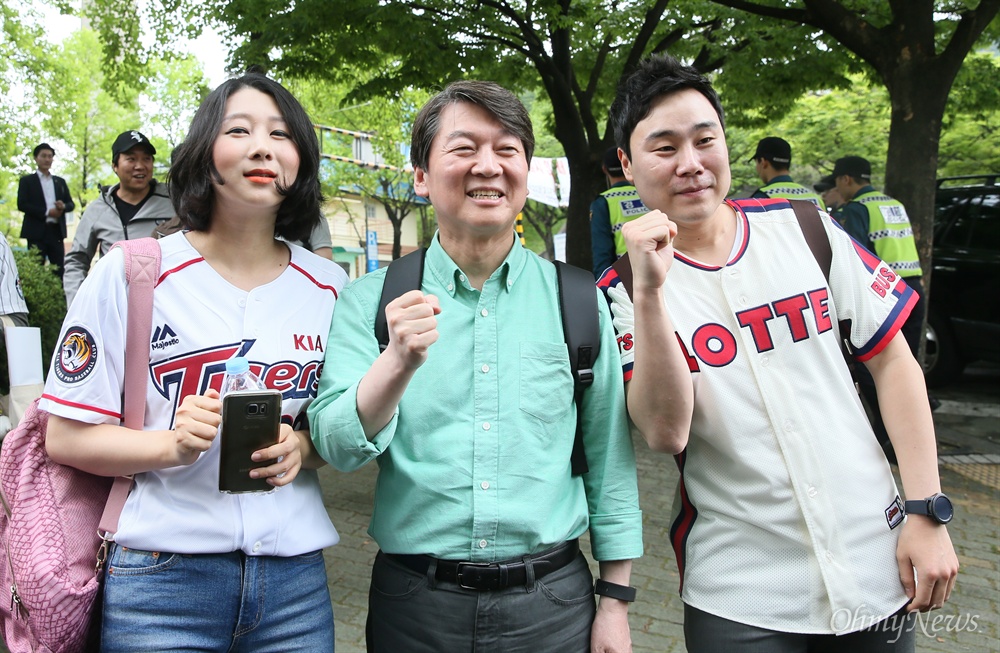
[(655, 77), (40, 147), (856, 167), (495, 99), (612, 163), (774, 149)]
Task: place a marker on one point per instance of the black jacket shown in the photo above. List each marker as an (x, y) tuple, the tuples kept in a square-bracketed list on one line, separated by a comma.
[(31, 202)]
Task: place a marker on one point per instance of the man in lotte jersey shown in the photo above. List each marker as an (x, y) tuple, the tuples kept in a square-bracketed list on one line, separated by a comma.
[(788, 528)]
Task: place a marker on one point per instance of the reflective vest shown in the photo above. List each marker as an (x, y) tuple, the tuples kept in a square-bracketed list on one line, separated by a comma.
[(623, 205), (792, 191), (890, 232)]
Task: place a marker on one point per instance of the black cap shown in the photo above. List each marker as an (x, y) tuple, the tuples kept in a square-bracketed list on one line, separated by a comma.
[(612, 163), (774, 149), (127, 140), (825, 184), (854, 166)]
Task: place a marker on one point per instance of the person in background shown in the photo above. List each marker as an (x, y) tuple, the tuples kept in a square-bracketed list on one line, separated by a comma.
[(772, 161), (827, 189), (788, 528), (612, 208), (477, 512), (881, 225), (132, 208), (12, 304), (45, 200), (193, 568)]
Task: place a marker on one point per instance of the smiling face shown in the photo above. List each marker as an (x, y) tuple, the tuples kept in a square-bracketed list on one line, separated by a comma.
[(680, 162), (476, 175), (253, 153), (134, 169)]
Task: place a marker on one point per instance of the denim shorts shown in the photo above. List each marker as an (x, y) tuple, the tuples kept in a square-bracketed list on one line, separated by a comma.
[(157, 601)]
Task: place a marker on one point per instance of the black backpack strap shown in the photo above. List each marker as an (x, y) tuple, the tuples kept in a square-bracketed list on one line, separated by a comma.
[(811, 223), (403, 275), (582, 330)]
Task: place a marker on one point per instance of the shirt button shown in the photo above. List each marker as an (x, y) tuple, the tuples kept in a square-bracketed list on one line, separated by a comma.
[(461, 277), (483, 544), (510, 283), (485, 485), (484, 312), (812, 492), (486, 369), (829, 556), (450, 287), (256, 547), (486, 426), (242, 302)]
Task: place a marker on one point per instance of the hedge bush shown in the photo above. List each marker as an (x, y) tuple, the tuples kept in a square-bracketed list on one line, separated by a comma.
[(43, 292)]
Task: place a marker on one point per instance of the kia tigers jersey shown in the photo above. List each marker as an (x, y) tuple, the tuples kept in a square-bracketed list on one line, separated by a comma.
[(786, 515), (199, 321)]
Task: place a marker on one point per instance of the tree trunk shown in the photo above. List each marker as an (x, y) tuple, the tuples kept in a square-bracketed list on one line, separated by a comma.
[(588, 181)]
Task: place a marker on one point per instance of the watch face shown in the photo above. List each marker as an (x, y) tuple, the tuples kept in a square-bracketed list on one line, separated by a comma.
[(942, 509)]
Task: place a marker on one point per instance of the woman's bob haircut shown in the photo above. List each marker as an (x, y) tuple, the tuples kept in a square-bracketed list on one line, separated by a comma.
[(193, 174)]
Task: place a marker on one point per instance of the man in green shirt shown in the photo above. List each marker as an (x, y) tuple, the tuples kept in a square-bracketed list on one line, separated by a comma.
[(470, 414)]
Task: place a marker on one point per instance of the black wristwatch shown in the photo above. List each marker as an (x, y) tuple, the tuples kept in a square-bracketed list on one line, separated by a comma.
[(614, 590), (937, 506)]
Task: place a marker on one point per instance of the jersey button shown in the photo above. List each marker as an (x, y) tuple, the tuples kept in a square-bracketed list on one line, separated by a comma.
[(812, 492), (242, 302)]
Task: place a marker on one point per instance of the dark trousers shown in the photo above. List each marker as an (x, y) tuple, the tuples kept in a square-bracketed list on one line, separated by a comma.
[(912, 330), (416, 613), (51, 248), (707, 633)]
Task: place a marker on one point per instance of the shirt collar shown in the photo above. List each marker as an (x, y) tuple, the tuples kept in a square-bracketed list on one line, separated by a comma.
[(42, 175), (448, 274)]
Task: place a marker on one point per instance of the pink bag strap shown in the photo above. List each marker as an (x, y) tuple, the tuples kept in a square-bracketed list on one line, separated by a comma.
[(142, 271)]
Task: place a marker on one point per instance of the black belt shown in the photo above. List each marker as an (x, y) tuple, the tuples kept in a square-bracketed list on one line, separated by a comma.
[(492, 576)]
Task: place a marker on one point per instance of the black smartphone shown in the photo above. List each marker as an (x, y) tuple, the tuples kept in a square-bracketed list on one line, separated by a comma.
[(250, 422)]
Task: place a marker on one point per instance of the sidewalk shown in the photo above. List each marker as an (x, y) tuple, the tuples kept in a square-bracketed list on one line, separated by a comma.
[(969, 622)]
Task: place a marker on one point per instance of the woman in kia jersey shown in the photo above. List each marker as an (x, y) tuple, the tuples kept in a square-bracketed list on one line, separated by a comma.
[(193, 568)]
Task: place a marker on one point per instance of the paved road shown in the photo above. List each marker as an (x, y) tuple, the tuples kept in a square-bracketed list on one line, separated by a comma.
[(967, 423)]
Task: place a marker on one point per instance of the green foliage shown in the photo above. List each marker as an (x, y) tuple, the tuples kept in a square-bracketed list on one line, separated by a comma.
[(172, 90), (43, 293)]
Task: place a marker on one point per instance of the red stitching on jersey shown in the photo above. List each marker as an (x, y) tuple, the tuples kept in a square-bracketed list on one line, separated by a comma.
[(72, 404)]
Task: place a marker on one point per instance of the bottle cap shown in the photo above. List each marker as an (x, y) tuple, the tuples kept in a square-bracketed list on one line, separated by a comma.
[(237, 365)]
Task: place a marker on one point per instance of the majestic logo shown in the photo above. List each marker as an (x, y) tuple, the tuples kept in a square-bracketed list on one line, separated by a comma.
[(77, 355), (164, 337)]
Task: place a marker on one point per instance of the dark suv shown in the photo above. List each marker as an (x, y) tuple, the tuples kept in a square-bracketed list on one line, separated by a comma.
[(963, 318)]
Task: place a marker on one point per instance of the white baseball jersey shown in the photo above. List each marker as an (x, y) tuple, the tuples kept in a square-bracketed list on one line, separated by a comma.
[(785, 517), (199, 321), (11, 295)]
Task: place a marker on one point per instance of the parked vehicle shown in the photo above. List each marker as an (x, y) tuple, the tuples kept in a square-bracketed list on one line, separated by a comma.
[(963, 317)]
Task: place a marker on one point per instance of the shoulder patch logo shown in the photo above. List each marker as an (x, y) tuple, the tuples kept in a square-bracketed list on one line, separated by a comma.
[(77, 355), (894, 513)]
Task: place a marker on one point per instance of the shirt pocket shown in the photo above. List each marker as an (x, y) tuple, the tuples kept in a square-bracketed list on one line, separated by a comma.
[(545, 389)]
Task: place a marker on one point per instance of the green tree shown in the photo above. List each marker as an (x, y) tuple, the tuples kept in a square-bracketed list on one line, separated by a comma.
[(571, 52), (80, 111), (172, 90), (916, 48)]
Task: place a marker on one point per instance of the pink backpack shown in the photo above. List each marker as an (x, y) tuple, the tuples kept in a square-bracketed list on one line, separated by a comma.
[(57, 521)]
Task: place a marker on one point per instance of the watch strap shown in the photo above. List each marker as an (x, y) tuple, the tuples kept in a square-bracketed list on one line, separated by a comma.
[(916, 507), (614, 590)]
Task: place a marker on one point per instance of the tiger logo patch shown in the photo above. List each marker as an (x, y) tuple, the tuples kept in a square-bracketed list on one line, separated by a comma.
[(77, 355)]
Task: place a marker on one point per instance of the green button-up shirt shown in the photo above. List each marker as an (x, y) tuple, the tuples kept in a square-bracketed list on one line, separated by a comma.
[(475, 464)]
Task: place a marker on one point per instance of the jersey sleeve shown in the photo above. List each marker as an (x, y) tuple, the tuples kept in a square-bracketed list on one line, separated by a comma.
[(867, 292), (87, 369)]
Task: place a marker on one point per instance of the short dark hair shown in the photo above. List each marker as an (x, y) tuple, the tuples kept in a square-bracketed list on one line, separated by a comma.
[(655, 77), (193, 173), (498, 101), (40, 147)]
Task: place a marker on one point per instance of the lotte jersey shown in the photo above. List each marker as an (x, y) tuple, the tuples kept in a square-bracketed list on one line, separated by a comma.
[(786, 514), (199, 321)]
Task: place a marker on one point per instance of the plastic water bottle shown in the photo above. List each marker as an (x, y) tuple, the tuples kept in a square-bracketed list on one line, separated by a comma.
[(239, 378)]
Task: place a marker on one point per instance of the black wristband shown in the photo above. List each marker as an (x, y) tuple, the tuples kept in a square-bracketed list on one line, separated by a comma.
[(615, 591)]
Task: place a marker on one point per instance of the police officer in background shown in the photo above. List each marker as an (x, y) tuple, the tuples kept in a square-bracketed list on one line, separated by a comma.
[(772, 161), (881, 224), (612, 208)]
